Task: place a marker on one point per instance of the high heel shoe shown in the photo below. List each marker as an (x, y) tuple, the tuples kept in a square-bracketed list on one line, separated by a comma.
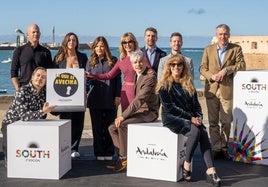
[(186, 174), (213, 179)]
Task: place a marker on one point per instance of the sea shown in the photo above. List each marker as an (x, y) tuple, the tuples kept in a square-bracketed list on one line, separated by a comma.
[(5, 80)]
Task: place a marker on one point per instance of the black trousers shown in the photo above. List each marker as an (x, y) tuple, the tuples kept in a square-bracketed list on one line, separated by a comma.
[(77, 120), (199, 135), (4, 142), (101, 120)]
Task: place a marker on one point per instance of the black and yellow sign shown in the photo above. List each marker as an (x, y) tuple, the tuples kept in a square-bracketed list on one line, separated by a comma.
[(66, 89), (65, 84)]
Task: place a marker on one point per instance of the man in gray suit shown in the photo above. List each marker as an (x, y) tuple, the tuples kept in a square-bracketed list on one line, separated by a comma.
[(175, 43), (219, 63), (144, 108)]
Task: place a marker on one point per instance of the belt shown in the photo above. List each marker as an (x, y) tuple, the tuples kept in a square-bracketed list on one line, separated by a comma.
[(128, 83)]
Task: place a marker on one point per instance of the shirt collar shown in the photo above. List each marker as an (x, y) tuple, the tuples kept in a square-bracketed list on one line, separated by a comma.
[(224, 48), (147, 49), (138, 74)]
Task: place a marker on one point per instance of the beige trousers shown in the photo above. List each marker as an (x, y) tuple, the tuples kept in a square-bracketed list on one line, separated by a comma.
[(220, 118)]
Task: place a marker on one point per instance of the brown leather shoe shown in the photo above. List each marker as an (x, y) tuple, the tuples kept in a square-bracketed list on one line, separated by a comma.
[(216, 154), (120, 165), (225, 155), (112, 165)]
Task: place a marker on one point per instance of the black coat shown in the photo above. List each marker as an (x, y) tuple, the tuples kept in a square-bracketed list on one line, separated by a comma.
[(178, 107), (103, 92), (158, 54)]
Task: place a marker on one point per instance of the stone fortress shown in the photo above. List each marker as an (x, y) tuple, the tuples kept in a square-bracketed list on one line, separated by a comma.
[(255, 50)]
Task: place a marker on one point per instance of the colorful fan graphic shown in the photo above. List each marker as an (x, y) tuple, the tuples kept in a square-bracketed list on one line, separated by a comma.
[(245, 147)]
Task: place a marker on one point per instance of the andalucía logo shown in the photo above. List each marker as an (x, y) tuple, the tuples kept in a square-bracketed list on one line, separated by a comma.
[(33, 153), (151, 153), (65, 84)]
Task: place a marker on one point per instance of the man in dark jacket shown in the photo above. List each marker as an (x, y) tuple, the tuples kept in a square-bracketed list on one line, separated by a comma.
[(153, 53), (28, 57)]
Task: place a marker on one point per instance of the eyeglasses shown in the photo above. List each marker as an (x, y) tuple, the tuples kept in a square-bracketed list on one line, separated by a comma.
[(128, 42), (176, 64)]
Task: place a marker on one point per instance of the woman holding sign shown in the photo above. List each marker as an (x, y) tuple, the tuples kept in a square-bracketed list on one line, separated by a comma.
[(69, 56), (28, 103)]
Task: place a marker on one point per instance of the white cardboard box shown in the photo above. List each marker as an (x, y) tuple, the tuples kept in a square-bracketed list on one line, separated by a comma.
[(250, 124), (154, 152), (66, 89), (39, 149)]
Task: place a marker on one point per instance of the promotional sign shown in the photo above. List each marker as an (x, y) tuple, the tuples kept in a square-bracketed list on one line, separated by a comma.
[(154, 152), (250, 117), (39, 149), (66, 89)]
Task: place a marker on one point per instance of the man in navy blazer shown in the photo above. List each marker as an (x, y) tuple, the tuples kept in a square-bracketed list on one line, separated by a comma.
[(153, 53)]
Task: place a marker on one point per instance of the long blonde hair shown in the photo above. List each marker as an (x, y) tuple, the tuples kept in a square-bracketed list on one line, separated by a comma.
[(185, 79), (129, 36)]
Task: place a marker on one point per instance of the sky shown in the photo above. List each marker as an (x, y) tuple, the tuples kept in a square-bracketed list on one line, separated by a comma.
[(115, 17)]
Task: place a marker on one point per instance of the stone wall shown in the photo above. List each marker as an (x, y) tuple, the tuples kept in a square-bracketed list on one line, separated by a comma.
[(256, 61), (255, 50), (249, 44)]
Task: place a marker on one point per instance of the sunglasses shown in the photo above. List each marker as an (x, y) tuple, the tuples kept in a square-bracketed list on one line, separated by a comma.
[(176, 64), (128, 42)]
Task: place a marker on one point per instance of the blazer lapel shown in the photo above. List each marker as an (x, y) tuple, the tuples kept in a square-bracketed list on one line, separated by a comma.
[(135, 81), (156, 58), (140, 80), (216, 57)]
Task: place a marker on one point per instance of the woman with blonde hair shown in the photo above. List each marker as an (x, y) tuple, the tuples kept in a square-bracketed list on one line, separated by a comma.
[(182, 114), (127, 45)]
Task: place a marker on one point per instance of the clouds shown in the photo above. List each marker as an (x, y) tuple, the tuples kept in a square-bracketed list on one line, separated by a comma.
[(197, 11)]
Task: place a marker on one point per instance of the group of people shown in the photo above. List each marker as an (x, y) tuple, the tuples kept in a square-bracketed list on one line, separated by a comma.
[(140, 80)]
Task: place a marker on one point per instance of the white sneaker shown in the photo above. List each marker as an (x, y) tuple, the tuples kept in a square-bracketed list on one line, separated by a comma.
[(100, 158), (75, 154), (108, 158)]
